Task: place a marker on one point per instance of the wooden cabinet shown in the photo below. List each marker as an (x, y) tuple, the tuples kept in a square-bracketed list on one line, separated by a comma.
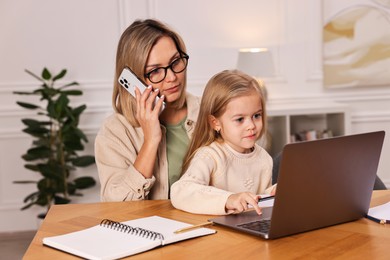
[(304, 121)]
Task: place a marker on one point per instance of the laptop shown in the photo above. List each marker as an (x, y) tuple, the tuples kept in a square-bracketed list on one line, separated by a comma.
[(321, 183)]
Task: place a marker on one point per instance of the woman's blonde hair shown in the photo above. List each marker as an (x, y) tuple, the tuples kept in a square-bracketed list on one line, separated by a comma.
[(133, 51), (219, 91)]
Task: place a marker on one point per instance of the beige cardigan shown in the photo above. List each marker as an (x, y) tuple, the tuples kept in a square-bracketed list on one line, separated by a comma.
[(116, 147), (216, 172)]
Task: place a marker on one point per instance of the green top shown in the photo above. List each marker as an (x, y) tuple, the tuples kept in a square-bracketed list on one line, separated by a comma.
[(177, 145)]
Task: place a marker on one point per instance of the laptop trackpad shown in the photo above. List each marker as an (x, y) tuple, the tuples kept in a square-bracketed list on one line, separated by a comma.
[(239, 221)]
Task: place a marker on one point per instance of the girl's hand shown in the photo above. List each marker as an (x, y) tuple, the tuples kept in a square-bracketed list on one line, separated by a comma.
[(239, 202), (147, 115)]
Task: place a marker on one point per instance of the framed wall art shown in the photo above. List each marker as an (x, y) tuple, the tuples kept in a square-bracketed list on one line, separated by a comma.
[(356, 43)]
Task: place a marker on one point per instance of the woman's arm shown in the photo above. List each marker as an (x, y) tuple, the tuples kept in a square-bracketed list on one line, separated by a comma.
[(116, 149)]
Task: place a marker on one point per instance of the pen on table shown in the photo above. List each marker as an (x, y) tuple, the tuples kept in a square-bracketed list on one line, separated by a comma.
[(181, 230)]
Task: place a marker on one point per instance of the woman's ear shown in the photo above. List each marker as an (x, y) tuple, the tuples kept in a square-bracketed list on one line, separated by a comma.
[(214, 123)]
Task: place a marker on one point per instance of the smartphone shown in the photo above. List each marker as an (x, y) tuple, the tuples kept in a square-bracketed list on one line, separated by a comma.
[(129, 80)]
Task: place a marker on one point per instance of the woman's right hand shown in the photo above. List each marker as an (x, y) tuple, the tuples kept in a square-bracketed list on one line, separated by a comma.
[(148, 115), (148, 118)]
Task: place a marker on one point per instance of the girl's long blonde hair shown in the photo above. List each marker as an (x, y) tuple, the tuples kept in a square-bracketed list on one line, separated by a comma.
[(133, 51), (219, 91)]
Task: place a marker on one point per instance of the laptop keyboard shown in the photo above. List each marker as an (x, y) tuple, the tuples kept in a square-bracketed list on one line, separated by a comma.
[(258, 225)]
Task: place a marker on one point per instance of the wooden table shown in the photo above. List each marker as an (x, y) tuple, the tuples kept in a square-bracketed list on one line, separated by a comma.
[(362, 239)]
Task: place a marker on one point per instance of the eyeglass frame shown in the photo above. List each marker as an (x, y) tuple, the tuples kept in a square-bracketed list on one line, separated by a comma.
[(183, 55)]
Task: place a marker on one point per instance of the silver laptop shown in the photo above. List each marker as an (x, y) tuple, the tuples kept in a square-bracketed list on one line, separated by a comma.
[(320, 183)]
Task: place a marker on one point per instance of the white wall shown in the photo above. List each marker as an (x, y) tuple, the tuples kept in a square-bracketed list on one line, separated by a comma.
[(82, 36)]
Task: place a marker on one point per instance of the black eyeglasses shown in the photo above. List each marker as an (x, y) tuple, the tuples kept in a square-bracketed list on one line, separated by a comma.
[(177, 65)]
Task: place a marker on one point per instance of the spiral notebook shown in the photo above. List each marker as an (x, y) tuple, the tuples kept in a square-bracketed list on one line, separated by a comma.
[(113, 240)]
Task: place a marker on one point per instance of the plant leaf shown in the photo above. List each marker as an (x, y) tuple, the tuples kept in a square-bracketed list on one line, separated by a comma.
[(72, 92), (27, 105), (43, 199), (32, 167), (52, 171), (36, 131), (30, 122), (83, 161), (51, 109), (38, 91), (78, 110), (60, 75), (60, 106), (49, 93), (48, 187), (37, 152), (74, 145), (28, 157), (74, 83), (46, 74), (81, 135), (40, 152), (84, 182), (35, 123), (71, 188), (28, 206), (23, 93), (31, 197), (24, 182), (60, 200)]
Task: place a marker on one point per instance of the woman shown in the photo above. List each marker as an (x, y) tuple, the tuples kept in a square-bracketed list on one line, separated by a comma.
[(139, 152)]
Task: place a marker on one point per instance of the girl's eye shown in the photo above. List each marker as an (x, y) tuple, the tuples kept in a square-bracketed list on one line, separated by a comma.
[(257, 116), (239, 119)]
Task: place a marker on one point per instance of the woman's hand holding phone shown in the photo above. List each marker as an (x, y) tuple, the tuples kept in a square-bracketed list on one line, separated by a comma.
[(130, 81), (149, 105), (147, 113)]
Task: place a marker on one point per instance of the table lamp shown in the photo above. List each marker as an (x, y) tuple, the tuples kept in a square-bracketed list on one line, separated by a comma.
[(256, 62)]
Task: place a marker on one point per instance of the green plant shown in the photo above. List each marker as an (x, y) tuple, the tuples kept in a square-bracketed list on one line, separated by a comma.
[(56, 141)]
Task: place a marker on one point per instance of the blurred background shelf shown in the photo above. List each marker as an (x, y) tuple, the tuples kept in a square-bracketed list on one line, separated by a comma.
[(290, 122)]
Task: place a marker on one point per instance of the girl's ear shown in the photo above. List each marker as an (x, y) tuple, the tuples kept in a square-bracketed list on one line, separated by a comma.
[(214, 123)]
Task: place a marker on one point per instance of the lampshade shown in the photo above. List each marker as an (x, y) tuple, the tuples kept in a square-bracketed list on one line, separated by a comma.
[(256, 62)]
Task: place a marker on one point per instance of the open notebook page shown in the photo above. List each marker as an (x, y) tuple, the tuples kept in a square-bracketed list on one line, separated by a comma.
[(381, 212), (100, 242)]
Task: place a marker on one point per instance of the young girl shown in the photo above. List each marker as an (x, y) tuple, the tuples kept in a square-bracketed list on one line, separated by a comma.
[(224, 168)]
